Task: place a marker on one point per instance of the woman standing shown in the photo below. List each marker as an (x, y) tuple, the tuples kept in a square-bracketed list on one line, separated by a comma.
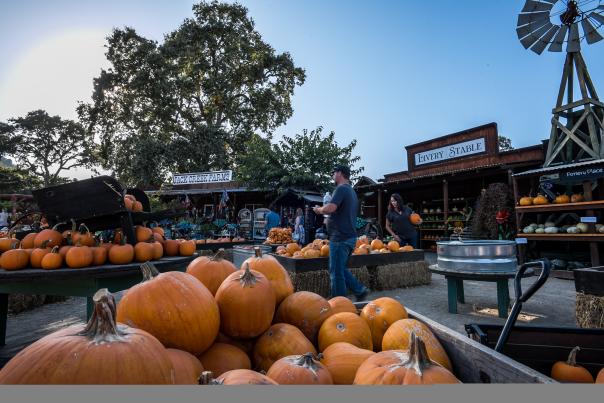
[(299, 233), (398, 223)]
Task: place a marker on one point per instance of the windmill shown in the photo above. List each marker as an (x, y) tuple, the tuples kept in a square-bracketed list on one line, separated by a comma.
[(577, 125)]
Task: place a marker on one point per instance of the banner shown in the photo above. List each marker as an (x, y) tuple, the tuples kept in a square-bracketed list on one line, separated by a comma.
[(202, 177)]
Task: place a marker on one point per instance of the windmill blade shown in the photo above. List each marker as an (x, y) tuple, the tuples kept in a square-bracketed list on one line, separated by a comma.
[(591, 34), (534, 37), (532, 6), (530, 28), (574, 41), (545, 40), (597, 17), (524, 19), (556, 45)]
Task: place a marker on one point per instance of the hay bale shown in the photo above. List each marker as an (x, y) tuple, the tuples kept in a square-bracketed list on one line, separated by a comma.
[(24, 302), (400, 275), (319, 282), (589, 310)]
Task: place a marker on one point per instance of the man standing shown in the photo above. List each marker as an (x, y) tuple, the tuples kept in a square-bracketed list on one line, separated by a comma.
[(272, 220), (343, 213)]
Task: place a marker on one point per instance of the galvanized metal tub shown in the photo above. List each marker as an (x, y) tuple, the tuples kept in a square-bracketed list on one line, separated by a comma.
[(480, 256), (242, 252)]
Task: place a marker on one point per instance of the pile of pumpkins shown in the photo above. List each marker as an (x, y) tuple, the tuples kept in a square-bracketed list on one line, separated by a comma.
[(278, 236), (217, 324), (50, 249), (320, 248), (364, 246), (540, 200), (132, 204), (551, 228)]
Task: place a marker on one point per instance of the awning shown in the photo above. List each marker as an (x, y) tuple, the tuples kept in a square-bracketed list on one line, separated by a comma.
[(292, 196), (559, 168)]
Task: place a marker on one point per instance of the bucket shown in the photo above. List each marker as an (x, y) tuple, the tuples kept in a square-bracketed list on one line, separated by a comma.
[(242, 252), (484, 256)]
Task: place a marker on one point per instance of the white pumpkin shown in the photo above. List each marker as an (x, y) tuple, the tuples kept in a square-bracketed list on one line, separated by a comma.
[(540, 231), (583, 227), (551, 230), (573, 230), (529, 230)]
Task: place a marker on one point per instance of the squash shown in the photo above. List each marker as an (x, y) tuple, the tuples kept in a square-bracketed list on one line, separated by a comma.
[(377, 244), (211, 270), (280, 340), (551, 230), (379, 315), (569, 371), (562, 199), (100, 352), (52, 260), (549, 224), (54, 237), (300, 370), (529, 230), (275, 273), (347, 327), (236, 377), (79, 256), (187, 368), (573, 230), (341, 304), (222, 357), (525, 201), (540, 231), (187, 248), (305, 310), (14, 259), (343, 360), (540, 200), (583, 227)]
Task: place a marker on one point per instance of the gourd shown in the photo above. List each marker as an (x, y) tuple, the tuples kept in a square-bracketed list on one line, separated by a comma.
[(569, 371), (540, 200), (583, 227), (551, 230), (573, 230), (529, 230), (540, 231), (562, 199), (526, 201)]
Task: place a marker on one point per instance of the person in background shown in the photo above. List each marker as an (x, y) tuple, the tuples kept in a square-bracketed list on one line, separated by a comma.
[(342, 208), (272, 220), (398, 224), (300, 234), (3, 218)]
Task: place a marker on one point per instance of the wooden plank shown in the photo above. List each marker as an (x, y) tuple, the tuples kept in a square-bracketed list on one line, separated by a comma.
[(572, 105), (590, 281), (587, 205)]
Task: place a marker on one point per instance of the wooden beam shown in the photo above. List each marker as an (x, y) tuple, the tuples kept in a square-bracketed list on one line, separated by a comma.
[(565, 75), (576, 104)]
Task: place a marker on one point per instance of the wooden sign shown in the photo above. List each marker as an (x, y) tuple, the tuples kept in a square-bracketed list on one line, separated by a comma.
[(458, 150), (202, 177)]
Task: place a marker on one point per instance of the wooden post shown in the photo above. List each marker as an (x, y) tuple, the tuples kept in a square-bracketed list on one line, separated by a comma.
[(380, 209), (593, 246), (446, 204)]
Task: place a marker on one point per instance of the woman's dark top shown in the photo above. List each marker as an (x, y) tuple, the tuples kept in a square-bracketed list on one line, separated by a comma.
[(400, 223)]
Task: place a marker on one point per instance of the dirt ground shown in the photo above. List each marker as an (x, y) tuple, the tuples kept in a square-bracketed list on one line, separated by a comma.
[(552, 305)]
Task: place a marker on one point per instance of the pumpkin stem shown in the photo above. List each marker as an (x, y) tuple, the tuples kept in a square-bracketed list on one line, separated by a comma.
[(258, 251), (572, 357), (218, 256), (73, 225), (247, 279), (84, 229), (55, 249), (308, 361), (102, 326), (45, 244), (207, 378), (68, 239), (57, 225), (418, 355), (149, 271)]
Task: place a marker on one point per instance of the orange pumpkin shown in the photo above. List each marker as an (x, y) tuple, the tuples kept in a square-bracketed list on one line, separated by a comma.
[(312, 253), (377, 244), (361, 241), (274, 272), (398, 337), (28, 241), (393, 246), (79, 256), (325, 251), (346, 327), (158, 250), (236, 377), (379, 315), (35, 258), (52, 260), (403, 367), (342, 304), (299, 370), (14, 259), (305, 310), (540, 200), (187, 248), (343, 360), (187, 368), (415, 219), (130, 197), (128, 203), (280, 340), (562, 199), (122, 253), (170, 247), (10, 242), (158, 230), (55, 237), (221, 357), (143, 251), (143, 233), (211, 271), (174, 307), (83, 236), (406, 248), (245, 345), (525, 201), (124, 355), (569, 371), (247, 304), (292, 247), (137, 207), (99, 256), (600, 377)]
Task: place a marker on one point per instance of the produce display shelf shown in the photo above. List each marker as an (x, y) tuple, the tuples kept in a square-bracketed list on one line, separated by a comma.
[(564, 237), (588, 205)]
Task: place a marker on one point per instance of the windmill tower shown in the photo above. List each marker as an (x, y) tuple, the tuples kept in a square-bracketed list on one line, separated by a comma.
[(577, 124)]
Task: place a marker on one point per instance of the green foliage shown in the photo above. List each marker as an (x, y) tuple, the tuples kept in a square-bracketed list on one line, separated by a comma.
[(505, 144), (14, 180), (47, 145), (305, 161), (190, 103)]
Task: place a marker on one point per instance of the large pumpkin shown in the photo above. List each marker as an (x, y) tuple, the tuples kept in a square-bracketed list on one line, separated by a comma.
[(280, 340), (100, 352), (236, 377), (122, 253), (379, 315), (570, 371), (14, 259), (187, 368), (345, 327), (221, 357), (54, 237), (398, 337), (247, 304), (305, 310), (274, 272), (299, 370), (211, 271), (174, 307), (28, 241), (341, 304), (10, 242), (343, 360), (403, 367)]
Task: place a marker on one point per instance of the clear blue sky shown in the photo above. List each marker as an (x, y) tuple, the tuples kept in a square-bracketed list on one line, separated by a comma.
[(388, 73)]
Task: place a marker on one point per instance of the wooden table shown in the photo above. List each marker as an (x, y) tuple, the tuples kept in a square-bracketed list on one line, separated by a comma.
[(76, 282), (455, 280)]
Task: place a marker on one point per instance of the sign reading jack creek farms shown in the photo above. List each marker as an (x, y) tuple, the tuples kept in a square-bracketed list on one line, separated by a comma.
[(202, 177), (457, 150)]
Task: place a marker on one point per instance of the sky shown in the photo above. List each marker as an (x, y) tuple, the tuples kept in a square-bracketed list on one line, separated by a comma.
[(386, 73)]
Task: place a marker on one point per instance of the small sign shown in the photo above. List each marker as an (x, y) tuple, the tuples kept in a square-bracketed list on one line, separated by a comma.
[(589, 219), (476, 146), (202, 177), (521, 241), (582, 174)]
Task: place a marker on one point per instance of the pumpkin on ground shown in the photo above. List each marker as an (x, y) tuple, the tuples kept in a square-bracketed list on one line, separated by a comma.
[(236, 377), (403, 367), (274, 272), (211, 271), (174, 307), (100, 352), (247, 304), (305, 310), (341, 304), (221, 357), (299, 370), (379, 315), (569, 371), (280, 340), (343, 360), (14, 259), (187, 368), (398, 337), (52, 260), (345, 327)]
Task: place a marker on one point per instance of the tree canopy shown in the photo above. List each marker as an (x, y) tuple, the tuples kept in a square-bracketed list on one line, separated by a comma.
[(191, 102), (304, 161)]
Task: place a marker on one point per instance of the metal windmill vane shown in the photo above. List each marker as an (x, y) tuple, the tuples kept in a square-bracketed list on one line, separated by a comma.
[(577, 125)]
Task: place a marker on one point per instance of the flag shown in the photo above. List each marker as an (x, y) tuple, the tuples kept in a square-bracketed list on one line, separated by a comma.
[(224, 199)]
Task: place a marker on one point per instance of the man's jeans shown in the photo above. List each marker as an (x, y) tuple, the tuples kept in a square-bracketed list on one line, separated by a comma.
[(341, 278)]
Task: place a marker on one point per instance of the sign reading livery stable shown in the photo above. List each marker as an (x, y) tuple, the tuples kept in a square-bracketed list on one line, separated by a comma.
[(476, 146), (202, 177)]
